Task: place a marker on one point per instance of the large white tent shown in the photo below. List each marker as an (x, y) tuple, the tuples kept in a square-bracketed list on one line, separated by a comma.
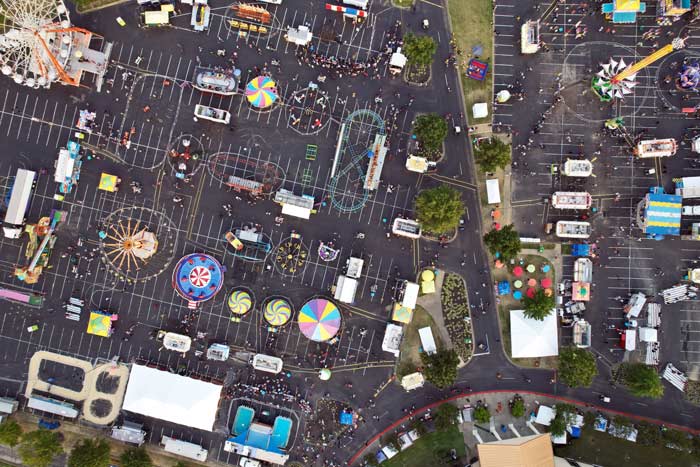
[(533, 338), (171, 397)]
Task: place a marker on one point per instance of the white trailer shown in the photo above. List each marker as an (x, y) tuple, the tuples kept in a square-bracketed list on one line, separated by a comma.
[(19, 203), (212, 114), (571, 200), (573, 229), (406, 228), (267, 363), (688, 187), (583, 270), (675, 376), (635, 305), (301, 35), (184, 449), (577, 168)]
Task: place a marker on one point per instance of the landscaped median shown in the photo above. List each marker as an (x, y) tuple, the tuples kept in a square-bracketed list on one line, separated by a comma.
[(472, 26)]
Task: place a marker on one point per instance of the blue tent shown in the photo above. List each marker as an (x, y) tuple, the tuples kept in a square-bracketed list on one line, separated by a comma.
[(345, 418), (503, 288), (580, 249), (575, 432)]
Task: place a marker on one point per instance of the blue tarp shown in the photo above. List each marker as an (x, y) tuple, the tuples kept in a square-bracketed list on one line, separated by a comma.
[(503, 288), (575, 432), (580, 249)]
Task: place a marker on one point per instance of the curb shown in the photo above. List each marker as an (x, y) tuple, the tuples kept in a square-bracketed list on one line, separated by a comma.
[(432, 405)]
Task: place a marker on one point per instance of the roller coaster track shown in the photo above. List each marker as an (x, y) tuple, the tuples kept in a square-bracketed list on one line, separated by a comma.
[(357, 201)]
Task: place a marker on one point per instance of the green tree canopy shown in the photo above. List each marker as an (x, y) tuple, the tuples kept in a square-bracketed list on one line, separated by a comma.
[(90, 453), (445, 416), (39, 447), (482, 414), (430, 130), (135, 457), (642, 380), (439, 209), (505, 241), (440, 368), (492, 154), (10, 433), (539, 306), (577, 367), (419, 49), (517, 407), (564, 416)]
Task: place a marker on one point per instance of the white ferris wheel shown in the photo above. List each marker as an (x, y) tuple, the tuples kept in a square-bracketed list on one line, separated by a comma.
[(37, 42)]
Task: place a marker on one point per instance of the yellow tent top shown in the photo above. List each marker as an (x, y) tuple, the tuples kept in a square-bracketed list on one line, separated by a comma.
[(99, 324), (108, 182), (154, 18), (427, 287), (427, 275), (627, 5), (401, 314)]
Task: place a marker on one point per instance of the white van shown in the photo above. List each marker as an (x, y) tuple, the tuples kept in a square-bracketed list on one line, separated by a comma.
[(274, 2), (363, 4)]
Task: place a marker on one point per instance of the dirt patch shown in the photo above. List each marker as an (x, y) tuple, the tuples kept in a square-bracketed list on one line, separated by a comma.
[(106, 383), (100, 407), (60, 374)]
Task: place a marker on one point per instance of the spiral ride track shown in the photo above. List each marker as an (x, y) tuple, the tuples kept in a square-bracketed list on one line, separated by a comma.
[(355, 148)]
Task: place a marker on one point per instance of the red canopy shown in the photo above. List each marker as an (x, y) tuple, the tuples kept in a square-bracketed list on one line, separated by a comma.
[(530, 292), (546, 282), (517, 271)]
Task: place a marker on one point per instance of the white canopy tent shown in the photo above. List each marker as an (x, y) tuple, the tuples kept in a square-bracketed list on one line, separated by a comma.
[(171, 397), (533, 338)]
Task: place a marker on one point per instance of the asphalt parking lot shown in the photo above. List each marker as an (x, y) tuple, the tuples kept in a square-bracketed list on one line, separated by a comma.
[(558, 79), (147, 100)]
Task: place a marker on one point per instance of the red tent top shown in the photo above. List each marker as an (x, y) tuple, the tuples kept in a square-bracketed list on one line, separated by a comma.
[(517, 271), (546, 282), (530, 292)]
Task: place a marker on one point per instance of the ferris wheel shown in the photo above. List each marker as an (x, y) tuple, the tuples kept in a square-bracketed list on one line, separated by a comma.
[(37, 42)]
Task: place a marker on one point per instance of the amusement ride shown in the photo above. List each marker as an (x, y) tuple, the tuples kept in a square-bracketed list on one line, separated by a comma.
[(616, 79), (39, 46)]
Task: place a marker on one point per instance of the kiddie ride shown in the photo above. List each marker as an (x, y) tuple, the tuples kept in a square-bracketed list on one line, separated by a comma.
[(616, 79), (39, 255), (184, 161)]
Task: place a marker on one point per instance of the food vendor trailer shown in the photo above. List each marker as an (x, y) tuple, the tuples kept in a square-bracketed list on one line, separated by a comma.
[(573, 229), (577, 168), (212, 114), (571, 200), (656, 148), (301, 35), (530, 37)]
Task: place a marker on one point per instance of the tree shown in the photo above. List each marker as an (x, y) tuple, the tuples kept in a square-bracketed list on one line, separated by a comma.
[(10, 433), (506, 242), (564, 416), (439, 209), (419, 49), (38, 448), (648, 434), (642, 380), (517, 407), (90, 453), (440, 368), (419, 426), (492, 154), (577, 367), (430, 130), (135, 457), (180, 464), (445, 417), (371, 459), (482, 414), (539, 306)]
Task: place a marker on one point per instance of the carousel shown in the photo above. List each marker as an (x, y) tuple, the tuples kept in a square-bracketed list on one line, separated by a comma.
[(128, 245)]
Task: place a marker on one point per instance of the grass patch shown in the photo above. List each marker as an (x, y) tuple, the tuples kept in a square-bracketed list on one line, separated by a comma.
[(88, 5), (600, 448), (409, 359), (472, 24), (402, 3), (507, 303), (430, 449)]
